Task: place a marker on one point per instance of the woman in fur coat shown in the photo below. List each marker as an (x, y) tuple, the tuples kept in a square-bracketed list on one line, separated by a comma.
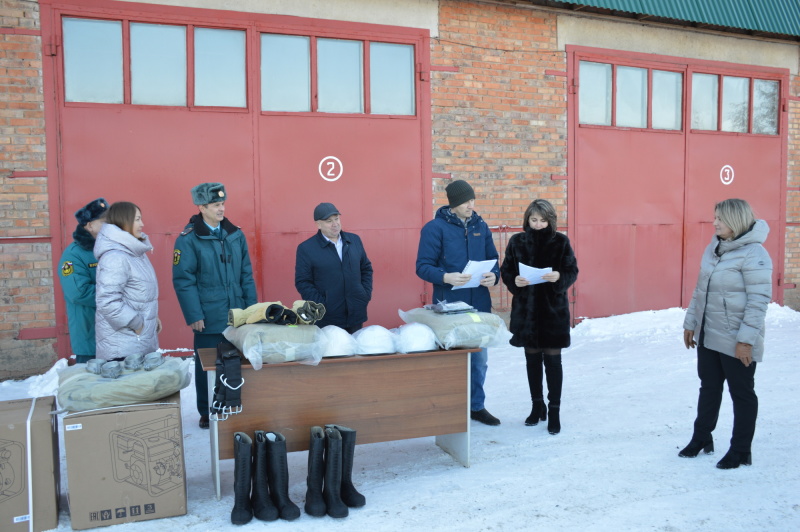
[(540, 312)]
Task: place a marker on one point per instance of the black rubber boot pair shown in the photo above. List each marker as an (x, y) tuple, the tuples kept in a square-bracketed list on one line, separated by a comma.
[(330, 470), (264, 468)]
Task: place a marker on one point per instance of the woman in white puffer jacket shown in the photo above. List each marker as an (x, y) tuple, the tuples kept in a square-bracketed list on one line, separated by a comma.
[(127, 291), (726, 317)]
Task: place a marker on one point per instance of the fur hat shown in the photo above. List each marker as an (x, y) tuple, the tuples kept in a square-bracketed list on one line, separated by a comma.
[(323, 211), (206, 193), (459, 192), (92, 211)]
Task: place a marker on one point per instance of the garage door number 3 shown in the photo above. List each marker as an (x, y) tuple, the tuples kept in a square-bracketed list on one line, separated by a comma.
[(330, 168), (726, 174)]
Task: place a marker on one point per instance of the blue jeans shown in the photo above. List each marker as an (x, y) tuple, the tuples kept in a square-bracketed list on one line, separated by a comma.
[(478, 367)]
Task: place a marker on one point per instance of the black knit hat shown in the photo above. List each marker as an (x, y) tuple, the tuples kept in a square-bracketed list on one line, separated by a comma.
[(92, 211), (459, 192)]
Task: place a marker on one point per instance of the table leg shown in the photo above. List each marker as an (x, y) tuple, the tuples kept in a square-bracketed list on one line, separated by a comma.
[(213, 434), (457, 445)]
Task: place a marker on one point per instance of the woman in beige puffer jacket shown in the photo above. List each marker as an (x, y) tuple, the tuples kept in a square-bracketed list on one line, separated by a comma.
[(127, 291)]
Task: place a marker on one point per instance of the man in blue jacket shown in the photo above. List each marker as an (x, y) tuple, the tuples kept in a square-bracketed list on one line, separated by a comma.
[(455, 236), (211, 274), (78, 273), (332, 268)]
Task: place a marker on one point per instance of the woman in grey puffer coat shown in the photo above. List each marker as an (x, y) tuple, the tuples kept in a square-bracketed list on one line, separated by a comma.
[(727, 315), (127, 291)]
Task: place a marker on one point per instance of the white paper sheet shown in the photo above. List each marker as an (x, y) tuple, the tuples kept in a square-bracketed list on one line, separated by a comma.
[(534, 275), (476, 268)]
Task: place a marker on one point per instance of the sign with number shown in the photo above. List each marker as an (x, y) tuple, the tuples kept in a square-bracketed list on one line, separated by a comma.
[(726, 174), (330, 168)]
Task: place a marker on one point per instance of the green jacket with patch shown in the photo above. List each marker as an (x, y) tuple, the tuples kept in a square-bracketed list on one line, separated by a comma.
[(212, 275), (77, 271)]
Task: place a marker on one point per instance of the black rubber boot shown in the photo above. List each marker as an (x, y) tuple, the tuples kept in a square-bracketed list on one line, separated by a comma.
[(242, 511), (278, 476), (263, 509), (555, 377), (350, 495), (315, 504), (533, 367), (332, 492)]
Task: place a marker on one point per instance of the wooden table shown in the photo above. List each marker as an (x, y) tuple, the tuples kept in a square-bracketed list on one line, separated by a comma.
[(383, 397)]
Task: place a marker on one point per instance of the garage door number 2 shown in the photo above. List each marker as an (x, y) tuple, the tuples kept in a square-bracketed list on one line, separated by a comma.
[(330, 168)]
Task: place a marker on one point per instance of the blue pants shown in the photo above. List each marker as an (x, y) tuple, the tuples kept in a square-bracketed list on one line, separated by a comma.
[(478, 367), (714, 369), (202, 341)]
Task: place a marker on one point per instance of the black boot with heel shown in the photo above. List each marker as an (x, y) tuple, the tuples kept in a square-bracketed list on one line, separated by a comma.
[(695, 446)]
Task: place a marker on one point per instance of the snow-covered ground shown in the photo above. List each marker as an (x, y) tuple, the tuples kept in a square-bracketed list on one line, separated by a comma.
[(630, 390)]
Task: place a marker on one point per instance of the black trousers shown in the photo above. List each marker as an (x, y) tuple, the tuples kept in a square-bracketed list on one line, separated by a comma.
[(200, 379), (714, 368)]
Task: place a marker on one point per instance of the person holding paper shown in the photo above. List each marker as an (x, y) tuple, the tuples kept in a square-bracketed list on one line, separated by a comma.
[(455, 236), (540, 321)]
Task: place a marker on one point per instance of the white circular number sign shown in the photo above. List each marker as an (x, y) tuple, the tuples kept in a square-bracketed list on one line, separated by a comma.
[(330, 168), (726, 174)]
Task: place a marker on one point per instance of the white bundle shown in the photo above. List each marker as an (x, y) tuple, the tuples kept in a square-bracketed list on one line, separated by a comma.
[(414, 337), (466, 330), (374, 340), (79, 389), (268, 343), (339, 343)]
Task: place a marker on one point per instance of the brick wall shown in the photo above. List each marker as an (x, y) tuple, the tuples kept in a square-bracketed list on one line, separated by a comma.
[(791, 297), (499, 121), (26, 277)]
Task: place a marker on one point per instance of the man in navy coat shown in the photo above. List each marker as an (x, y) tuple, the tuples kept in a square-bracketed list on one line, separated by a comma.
[(332, 268), (456, 235)]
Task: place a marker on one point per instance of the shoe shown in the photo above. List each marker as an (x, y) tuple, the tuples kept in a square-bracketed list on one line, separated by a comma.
[(484, 417), (554, 423), (538, 413), (734, 459), (695, 446), (203, 422)]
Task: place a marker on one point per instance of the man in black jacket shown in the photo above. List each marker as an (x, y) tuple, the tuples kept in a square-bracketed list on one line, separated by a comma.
[(332, 268)]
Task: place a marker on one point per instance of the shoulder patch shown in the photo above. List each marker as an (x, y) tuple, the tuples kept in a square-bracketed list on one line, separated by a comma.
[(67, 268), (93, 265), (176, 257), (187, 231)]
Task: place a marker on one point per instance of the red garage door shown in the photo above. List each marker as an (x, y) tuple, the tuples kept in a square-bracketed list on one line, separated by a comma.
[(287, 112), (656, 145)]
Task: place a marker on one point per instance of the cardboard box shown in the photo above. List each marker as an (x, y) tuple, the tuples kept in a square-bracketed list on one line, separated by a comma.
[(125, 463), (18, 453)]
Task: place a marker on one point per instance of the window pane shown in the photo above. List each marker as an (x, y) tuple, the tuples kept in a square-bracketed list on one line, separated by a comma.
[(594, 98), (285, 73), (631, 97), (667, 99), (219, 69), (735, 103), (340, 80), (93, 60), (765, 107), (705, 94), (158, 64), (391, 78)]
